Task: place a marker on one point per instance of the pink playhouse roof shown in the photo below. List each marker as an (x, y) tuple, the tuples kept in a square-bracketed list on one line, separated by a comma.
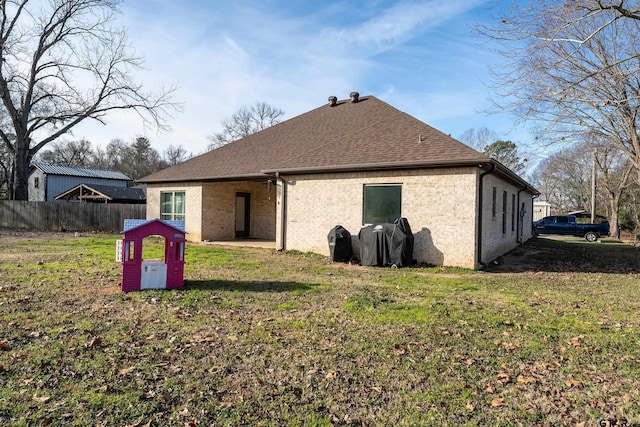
[(132, 224)]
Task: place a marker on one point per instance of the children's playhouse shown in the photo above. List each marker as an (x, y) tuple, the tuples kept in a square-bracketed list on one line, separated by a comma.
[(139, 274)]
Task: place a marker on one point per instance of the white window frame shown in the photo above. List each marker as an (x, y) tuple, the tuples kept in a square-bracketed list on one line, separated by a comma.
[(172, 215)]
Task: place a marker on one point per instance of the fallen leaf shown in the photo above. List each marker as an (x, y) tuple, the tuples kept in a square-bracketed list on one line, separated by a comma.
[(41, 399), (95, 342), (525, 380), (489, 390), (398, 351), (126, 371), (3, 346), (503, 377), (469, 407), (508, 345), (470, 362), (573, 384), (497, 402), (331, 375), (577, 341)]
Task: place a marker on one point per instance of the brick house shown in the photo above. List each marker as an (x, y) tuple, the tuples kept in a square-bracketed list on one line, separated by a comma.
[(351, 162)]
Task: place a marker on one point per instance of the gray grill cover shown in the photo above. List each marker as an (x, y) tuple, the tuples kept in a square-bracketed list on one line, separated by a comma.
[(387, 245)]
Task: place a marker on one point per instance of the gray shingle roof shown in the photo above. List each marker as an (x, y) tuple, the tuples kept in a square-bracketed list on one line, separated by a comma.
[(366, 135), (80, 172)]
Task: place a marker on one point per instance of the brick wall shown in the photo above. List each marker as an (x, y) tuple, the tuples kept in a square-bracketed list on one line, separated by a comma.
[(494, 241), (193, 205), (210, 208), (439, 204), (219, 199)]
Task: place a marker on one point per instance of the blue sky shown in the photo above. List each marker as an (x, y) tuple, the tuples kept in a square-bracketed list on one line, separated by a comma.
[(422, 57)]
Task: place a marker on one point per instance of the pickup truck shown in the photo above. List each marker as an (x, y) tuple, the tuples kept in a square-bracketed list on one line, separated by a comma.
[(567, 225)]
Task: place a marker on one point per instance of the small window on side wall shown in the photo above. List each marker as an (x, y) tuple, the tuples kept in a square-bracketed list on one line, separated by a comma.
[(172, 205), (382, 203), (494, 203), (36, 182)]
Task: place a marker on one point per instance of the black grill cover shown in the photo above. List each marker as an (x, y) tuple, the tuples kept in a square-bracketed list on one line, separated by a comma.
[(387, 245), (340, 248)]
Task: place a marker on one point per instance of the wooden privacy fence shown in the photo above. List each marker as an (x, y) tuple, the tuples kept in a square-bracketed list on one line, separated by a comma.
[(66, 216)]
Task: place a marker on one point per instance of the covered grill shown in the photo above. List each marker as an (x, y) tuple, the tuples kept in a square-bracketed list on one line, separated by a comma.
[(387, 245)]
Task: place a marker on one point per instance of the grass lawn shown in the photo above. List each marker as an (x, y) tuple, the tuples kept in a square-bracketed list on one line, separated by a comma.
[(262, 338)]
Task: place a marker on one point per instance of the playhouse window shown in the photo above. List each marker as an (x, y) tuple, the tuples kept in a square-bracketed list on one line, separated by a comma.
[(382, 203), (172, 205)]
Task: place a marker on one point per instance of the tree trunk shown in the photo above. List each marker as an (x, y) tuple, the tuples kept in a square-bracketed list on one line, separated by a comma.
[(614, 207), (21, 172)]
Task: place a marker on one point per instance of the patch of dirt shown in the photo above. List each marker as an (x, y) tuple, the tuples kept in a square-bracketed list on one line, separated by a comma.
[(10, 234), (570, 254)]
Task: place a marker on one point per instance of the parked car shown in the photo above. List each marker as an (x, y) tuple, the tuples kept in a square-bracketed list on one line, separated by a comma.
[(567, 225)]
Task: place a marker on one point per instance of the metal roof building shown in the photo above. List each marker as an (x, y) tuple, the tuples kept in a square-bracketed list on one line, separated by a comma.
[(46, 181)]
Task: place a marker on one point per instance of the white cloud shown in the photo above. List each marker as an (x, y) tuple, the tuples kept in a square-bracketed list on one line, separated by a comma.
[(229, 54)]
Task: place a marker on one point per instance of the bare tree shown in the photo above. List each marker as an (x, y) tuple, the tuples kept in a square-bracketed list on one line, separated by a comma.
[(135, 160), (615, 171), (573, 65), (244, 122), (61, 62), (175, 154), (478, 139), (6, 170), (564, 179), (68, 153), (113, 156)]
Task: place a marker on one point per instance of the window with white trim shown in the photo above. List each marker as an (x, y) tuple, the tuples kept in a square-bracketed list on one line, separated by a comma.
[(172, 205)]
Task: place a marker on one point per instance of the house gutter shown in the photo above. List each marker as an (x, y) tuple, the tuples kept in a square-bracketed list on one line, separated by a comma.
[(283, 211), (480, 215)]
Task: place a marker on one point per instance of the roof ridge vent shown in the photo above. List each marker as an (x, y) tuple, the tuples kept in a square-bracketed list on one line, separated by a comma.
[(333, 101), (354, 96)]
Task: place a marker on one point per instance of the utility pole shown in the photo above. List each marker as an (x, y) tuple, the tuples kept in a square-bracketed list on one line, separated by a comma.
[(593, 188)]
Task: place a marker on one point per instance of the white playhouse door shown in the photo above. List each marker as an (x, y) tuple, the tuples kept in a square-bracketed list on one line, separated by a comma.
[(154, 275)]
